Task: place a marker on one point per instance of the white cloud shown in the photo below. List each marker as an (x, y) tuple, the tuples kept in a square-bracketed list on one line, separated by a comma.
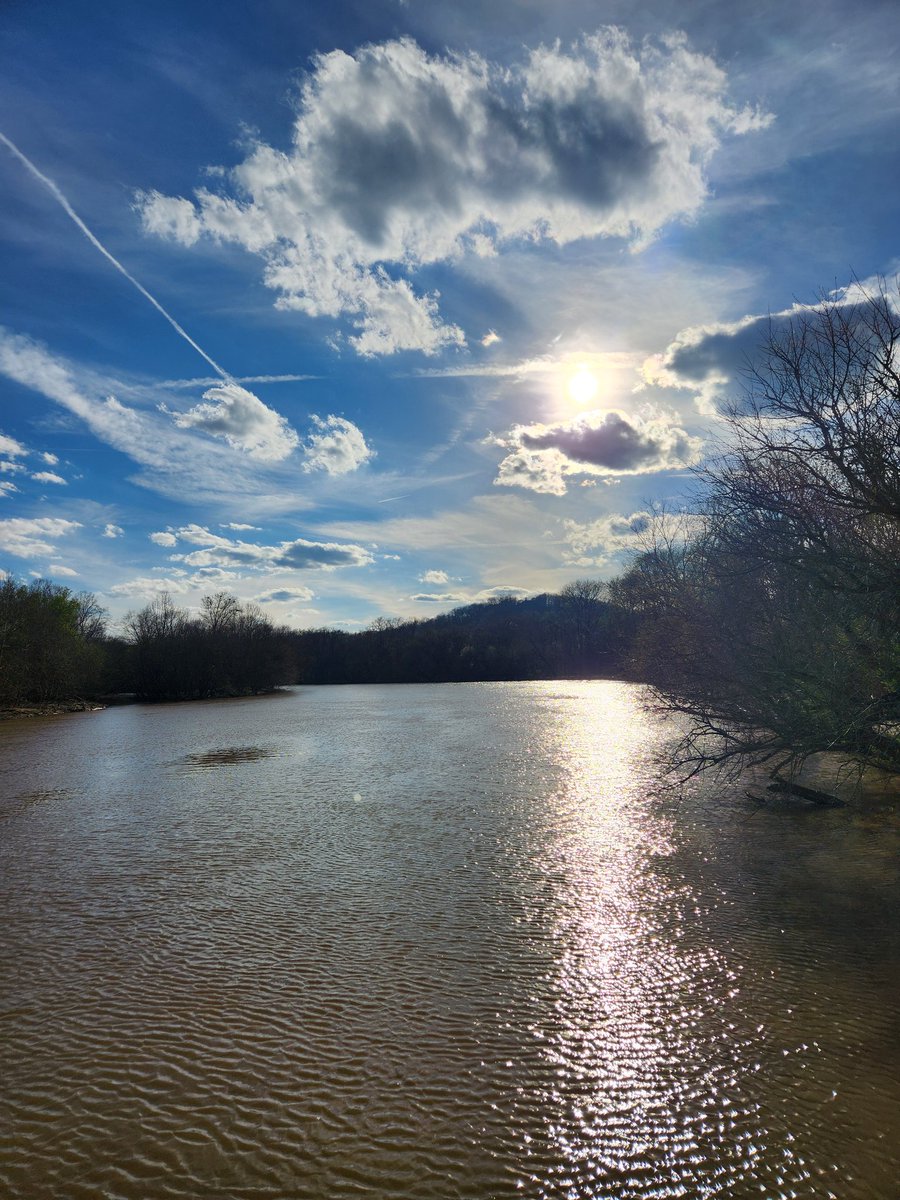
[(6, 487), (434, 577), (502, 592), (286, 595), (169, 456), (238, 526), (10, 447), (606, 443), (299, 554), (242, 420), (48, 477), (59, 569), (710, 360), (11, 468), (163, 539), (593, 543), (34, 537), (401, 159), (337, 448), (50, 459), (146, 438), (544, 471), (491, 338), (113, 531), (147, 586)]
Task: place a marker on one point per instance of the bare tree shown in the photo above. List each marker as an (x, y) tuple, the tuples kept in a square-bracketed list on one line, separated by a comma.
[(773, 630), (219, 612), (91, 617)]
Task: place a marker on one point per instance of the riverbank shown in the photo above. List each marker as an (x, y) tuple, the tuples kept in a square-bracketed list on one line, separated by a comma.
[(15, 712)]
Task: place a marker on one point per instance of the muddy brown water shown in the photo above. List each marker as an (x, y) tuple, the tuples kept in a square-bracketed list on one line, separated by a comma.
[(433, 942)]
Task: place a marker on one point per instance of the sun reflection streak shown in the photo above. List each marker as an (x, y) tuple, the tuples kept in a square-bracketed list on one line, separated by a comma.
[(640, 1063)]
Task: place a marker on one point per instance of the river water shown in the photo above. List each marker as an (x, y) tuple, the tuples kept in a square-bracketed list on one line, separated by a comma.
[(433, 942)]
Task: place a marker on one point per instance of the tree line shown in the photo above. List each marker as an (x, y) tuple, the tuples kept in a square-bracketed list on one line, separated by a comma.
[(55, 646)]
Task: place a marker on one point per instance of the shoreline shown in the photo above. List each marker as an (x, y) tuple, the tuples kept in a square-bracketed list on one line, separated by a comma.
[(58, 708)]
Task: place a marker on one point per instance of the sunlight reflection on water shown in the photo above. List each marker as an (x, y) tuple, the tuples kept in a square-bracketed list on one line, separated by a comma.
[(631, 1043)]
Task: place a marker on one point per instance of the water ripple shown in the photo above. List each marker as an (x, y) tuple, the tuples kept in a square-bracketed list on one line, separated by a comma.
[(458, 949)]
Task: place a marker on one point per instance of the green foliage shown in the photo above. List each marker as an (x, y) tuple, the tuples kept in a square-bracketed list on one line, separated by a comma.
[(49, 643)]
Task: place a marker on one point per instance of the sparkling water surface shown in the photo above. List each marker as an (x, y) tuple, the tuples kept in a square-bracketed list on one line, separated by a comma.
[(433, 942)]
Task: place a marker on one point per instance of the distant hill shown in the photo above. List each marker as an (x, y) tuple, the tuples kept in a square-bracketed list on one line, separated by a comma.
[(573, 634)]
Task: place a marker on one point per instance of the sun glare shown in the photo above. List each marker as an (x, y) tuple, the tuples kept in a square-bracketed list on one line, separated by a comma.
[(582, 386)]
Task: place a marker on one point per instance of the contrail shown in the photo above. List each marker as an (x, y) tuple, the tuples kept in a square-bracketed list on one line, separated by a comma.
[(175, 384), (70, 212)]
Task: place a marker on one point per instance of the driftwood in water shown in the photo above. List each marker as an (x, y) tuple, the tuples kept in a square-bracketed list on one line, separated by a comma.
[(823, 799)]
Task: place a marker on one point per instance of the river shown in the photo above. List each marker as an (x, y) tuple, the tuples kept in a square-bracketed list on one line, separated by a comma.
[(429, 942)]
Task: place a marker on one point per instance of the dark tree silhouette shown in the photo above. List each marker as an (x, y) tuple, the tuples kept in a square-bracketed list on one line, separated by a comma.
[(774, 628)]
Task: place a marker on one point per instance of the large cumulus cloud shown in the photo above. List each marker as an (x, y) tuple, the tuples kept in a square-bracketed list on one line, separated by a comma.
[(400, 158)]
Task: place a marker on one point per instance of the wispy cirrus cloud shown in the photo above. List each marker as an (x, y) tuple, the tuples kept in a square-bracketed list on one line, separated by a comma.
[(402, 159), (175, 385), (148, 439), (229, 410), (236, 448)]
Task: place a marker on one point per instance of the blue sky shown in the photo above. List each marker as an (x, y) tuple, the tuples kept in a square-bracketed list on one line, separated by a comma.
[(363, 310)]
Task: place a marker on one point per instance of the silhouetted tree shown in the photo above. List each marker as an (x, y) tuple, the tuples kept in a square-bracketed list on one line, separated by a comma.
[(230, 649), (774, 628)]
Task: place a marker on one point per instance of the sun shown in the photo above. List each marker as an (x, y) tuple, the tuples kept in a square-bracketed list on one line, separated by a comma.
[(582, 385)]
